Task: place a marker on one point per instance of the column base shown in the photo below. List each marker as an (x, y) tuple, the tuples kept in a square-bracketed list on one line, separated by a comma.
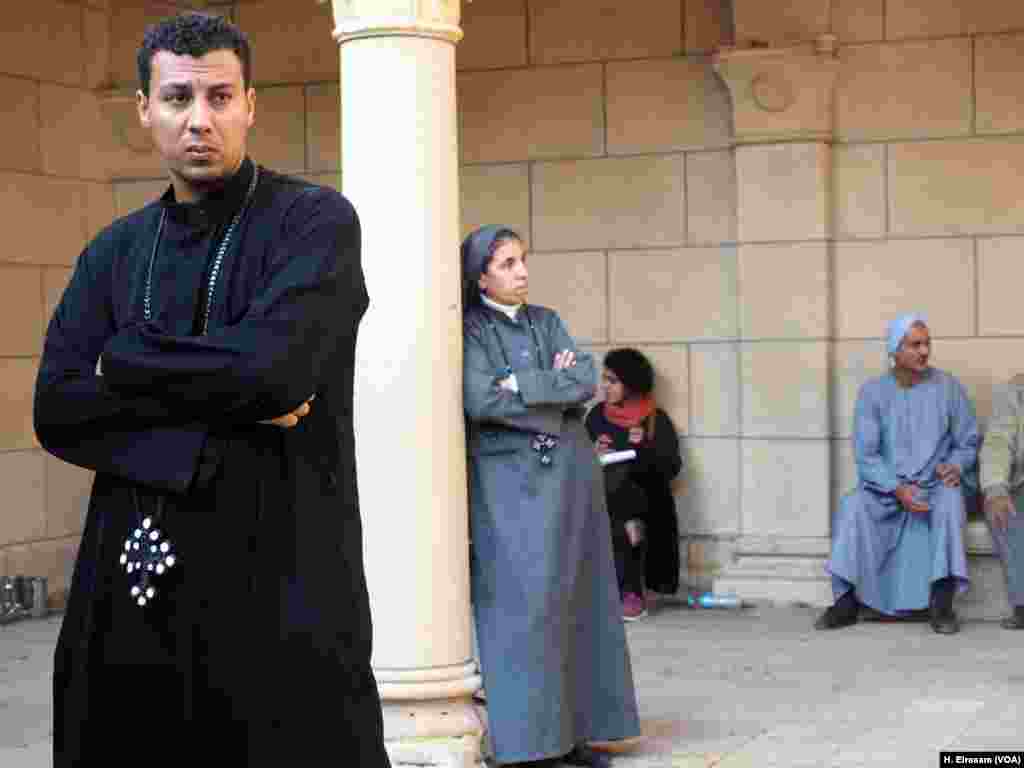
[(434, 734)]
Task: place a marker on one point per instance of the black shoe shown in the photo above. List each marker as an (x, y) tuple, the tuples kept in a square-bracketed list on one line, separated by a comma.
[(943, 619), (1015, 620), (584, 755), (842, 613), (945, 623)]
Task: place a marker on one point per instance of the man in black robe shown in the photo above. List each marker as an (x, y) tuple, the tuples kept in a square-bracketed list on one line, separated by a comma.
[(201, 362)]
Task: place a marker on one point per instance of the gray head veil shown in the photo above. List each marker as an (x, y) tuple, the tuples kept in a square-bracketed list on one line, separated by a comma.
[(477, 249)]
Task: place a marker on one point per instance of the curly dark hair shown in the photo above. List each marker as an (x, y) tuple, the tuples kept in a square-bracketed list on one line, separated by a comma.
[(192, 34), (633, 369)]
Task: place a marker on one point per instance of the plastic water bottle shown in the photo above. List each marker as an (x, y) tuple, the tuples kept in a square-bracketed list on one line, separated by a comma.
[(712, 600)]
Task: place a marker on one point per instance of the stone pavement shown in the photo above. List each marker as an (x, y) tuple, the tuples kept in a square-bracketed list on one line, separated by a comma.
[(756, 688)]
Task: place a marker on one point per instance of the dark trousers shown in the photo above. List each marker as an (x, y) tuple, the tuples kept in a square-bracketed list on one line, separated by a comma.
[(630, 560)]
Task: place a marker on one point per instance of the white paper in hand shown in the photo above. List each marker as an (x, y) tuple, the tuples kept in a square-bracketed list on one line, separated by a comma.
[(616, 457)]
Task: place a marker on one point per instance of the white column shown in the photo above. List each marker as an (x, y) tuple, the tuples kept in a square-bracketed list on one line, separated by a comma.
[(400, 170)]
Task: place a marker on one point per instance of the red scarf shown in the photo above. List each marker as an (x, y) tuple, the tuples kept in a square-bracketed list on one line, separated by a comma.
[(631, 413)]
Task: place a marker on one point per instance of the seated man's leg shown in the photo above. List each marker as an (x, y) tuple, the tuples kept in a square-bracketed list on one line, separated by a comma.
[(949, 557), (1009, 546), (843, 566)]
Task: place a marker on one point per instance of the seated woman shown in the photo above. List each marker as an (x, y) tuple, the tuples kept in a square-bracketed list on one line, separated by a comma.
[(645, 531)]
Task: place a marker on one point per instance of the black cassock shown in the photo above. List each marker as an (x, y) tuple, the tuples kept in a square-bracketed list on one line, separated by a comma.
[(256, 646)]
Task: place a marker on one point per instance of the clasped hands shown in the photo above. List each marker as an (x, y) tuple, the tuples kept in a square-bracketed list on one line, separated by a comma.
[(907, 493)]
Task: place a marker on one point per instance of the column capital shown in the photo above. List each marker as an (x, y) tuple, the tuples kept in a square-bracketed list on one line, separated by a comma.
[(781, 94), (437, 19)]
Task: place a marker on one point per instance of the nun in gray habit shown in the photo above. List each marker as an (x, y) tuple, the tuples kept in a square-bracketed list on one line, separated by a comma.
[(552, 645)]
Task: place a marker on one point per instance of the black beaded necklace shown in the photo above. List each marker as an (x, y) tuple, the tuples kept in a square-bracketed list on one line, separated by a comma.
[(222, 249), (542, 443)]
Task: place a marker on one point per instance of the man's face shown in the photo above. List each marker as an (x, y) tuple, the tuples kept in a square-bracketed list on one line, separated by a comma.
[(506, 280), (915, 350), (199, 114)]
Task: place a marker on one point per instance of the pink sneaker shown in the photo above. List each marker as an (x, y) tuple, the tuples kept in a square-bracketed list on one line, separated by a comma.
[(633, 607)]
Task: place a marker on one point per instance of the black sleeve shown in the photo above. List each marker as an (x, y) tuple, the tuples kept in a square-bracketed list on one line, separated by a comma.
[(274, 359), (661, 455), (78, 419)]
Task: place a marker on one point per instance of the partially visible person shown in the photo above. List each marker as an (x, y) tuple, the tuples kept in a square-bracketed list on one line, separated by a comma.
[(898, 541), (645, 530), (1002, 482), (553, 651)]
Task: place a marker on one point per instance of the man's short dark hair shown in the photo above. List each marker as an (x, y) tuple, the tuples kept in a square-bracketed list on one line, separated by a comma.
[(193, 34)]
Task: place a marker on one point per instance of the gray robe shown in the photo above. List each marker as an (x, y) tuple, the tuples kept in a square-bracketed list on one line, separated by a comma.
[(552, 645), (890, 556)]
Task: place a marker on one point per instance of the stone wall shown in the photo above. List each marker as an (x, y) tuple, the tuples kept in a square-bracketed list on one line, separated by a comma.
[(603, 133), (55, 194)]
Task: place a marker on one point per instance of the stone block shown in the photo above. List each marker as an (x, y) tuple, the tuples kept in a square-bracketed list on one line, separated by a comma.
[(784, 291), (779, 23), (665, 105), (591, 30), (576, 285), (278, 137), (522, 114), (916, 89), (711, 500), (968, 186), (711, 198), (75, 140), (127, 28), (89, 136), (42, 41), (859, 190), (495, 35), (785, 388), (858, 21), (44, 219), (495, 194), (786, 488), (671, 382), (98, 207), (21, 474), (942, 18), (999, 273), (19, 377), (55, 280), (853, 364), (715, 390), (998, 71), (323, 127), (97, 28), (295, 42), (130, 196), (660, 296), (22, 301), (707, 26), (19, 111), (796, 205), (628, 202), (67, 497), (876, 281), (980, 364), (54, 560)]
